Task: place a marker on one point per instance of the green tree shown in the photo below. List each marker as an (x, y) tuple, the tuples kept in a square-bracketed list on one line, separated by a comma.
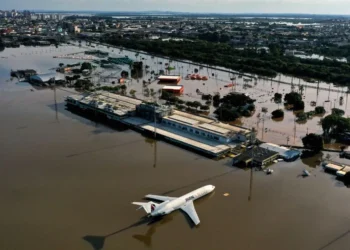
[(292, 98), (123, 88), (189, 104), (180, 106), (236, 99), (334, 125), (320, 110), (278, 97), (196, 104), (278, 113), (298, 105), (313, 142), (86, 65), (227, 114), (205, 107), (336, 111), (302, 116), (251, 107), (216, 100), (132, 92)]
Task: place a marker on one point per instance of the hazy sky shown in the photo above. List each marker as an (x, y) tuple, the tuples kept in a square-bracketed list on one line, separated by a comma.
[(226, 6)]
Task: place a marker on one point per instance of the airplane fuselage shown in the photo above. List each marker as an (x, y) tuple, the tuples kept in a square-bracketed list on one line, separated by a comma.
[(171, 205)]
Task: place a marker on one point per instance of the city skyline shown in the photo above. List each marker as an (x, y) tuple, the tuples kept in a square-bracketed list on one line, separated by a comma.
[(203, 6)]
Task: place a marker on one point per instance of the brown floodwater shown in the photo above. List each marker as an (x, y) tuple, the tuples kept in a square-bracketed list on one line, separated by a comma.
[(67, 182)]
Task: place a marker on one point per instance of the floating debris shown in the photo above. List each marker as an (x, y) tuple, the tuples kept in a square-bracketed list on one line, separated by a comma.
[(226, 194), (269, 171), (306, 173)]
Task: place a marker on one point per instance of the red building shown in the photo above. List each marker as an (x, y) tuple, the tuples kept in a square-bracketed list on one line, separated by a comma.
[(169, 79), (177, 90)]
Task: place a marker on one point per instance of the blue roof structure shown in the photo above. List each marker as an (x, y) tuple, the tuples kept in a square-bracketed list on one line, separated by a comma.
[(291, 154)]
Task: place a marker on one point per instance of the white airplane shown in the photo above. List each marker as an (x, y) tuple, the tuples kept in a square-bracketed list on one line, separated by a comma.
[(170, 204)]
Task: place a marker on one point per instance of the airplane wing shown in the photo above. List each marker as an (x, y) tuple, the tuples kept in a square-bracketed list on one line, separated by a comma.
[(189, 209), (160, 197)]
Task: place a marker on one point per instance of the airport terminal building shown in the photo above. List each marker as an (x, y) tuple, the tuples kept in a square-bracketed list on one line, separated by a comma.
[(199, 133)]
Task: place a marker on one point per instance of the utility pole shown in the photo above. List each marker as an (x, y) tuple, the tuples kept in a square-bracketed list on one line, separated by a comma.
[(250, 196), (251, 183), (318, 88), (295, 130), (155, 134), (54, 90), (263, 127)]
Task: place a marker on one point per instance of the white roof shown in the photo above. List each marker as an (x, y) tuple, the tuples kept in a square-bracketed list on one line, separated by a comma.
[(168, 77), (274, 147), (183, 119), (214, 128), (178, 87), (187, 139), (334, 166)]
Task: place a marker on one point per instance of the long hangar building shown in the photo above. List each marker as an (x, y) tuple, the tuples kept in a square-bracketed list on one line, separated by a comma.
[(199, 133)]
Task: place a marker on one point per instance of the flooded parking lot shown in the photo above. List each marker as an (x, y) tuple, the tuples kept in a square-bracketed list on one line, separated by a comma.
[(67, 183)]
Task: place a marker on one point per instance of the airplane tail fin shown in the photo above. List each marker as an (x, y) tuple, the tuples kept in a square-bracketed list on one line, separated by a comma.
[(147, 206)]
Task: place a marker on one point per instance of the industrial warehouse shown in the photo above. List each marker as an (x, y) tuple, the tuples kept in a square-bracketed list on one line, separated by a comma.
[(198, 133)]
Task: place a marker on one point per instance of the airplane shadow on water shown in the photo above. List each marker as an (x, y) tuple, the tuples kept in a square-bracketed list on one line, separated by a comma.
[(97, 242)]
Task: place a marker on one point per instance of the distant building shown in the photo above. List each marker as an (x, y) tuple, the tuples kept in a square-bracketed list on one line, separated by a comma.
[(26, 13), (45, 79), (177, 90), (256, 156), (285, 153), (169, 79), (34, 17)]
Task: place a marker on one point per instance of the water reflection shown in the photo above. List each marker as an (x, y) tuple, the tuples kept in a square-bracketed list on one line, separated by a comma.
[(277, 119), (149, 141), (146, 239), (313, 161)]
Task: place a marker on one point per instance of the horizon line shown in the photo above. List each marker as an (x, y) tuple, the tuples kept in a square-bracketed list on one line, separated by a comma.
[(183, 12)]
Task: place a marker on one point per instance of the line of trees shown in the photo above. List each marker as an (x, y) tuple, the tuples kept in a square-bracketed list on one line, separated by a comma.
[(247, 60)]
